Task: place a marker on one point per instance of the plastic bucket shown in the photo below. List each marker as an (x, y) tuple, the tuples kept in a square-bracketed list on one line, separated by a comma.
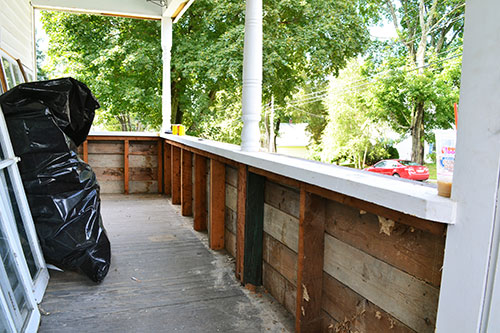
[(445, 160)]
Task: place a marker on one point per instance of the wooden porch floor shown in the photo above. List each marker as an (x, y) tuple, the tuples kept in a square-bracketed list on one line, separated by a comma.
[(162, 278)]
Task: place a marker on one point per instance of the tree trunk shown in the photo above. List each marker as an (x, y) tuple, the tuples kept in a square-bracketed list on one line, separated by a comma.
[(417, 134), (276, 132)]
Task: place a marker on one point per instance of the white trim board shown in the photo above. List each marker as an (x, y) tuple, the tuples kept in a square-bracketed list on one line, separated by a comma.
[(404, 196)]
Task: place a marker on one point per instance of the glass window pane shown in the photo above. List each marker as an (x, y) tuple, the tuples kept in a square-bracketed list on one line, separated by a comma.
[(18, 75), (7, 67)]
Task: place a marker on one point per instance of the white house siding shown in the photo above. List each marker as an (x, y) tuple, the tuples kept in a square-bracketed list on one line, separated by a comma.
[(16, 30)]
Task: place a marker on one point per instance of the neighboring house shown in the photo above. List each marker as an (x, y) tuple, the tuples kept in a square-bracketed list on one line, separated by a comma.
[(293, 140)]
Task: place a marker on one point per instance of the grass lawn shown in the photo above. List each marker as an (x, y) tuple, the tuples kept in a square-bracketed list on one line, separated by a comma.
[(432, 170)]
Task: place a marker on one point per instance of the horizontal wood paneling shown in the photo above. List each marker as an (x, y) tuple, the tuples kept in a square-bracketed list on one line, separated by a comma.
[(104, 174), (143, 174), (283, 227), (111, 186), (281, 258), (108, 161), (351, 311), (410, 300), (144, 147), (231, 197), (143, 186), (414, 251), (105, 147), (143, 161), (281, 289), (284, 198)]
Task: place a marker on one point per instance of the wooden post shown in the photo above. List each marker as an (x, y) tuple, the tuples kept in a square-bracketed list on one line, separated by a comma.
[(200, 193), (186, 183), (160, 165), (240, 223), (308, 315), (254, 229), (176, 175), (167, 168), (125, 166), (85, 151), (217, 204)]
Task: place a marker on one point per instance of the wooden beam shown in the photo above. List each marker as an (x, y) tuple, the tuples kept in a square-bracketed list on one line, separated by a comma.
[(125, 166), (176, 175), (254, 229), (200, 193), (160, 166), (275, 177), (308, 316), (217, 204), (240, 224), (167, 169), (204, 153), (86, 151), (186, 183)]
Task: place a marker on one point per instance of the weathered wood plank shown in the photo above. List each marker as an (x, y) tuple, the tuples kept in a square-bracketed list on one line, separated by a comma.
[(167, 169), (284, 198), (143, 186), (111, 186), (159, 158), (106, 161), (122, 138), (200, 193), (281, 258), (231, 197), (86, 151), (275, 177), (217, 204), (283, 227), (187, 183), (310, 262), (240, 222), (105, 147), (281, 289), (254, 226), (413, 221), (351, 311), (232, 176), (176, 175), (230, 220), (142, 174), (104, 174), (143, 161), (230, 243), (126, 145), (144, 147), (410, 300), (414, 251)]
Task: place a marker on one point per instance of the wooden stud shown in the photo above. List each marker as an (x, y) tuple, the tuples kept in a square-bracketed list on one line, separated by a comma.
[(308, 316), (240, 224), (217, 204), (86, 151), (200, 193), (125, 166), (176, 175), (160, 166), (167, 169), (254, 229), (186, 183)]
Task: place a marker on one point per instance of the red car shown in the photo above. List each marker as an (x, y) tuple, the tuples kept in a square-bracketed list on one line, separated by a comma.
[(400, 168)]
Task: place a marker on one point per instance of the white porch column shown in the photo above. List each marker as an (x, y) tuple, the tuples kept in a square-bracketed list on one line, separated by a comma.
[(166, 45), (252, 76), (471, 254)]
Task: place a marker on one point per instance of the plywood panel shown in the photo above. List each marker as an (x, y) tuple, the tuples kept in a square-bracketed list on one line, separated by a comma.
[(351, 311), (281, 258), (107, 161), (231, 197), (143, 161), (279, 287), (410, 300), (231, 176), (105, 147), (414, 251), (284, 198), (283, 227)]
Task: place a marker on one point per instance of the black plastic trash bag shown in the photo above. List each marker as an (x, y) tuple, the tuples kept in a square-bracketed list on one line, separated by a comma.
[(46, 122)]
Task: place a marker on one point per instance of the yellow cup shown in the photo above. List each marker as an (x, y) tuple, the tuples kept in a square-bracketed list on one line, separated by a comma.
[(175, 129), (182, 130)]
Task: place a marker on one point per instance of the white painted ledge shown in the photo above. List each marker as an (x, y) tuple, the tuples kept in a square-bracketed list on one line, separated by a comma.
[(404, 196), (118, 133)]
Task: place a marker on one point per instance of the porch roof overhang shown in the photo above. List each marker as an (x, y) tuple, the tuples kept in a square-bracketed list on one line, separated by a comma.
[(128, 8)]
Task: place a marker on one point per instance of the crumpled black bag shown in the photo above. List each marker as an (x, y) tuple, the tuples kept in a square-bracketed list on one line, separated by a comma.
[(47, 120)]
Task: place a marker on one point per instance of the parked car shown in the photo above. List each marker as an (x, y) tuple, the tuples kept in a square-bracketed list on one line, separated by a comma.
[(400, 168)]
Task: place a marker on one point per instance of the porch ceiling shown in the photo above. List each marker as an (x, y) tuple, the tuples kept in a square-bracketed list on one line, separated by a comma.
[(132, 8)]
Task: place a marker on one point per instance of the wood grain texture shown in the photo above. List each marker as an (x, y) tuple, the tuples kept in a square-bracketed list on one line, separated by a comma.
[(350, 311), (143, 161), (86, 151), (231, 220), (105, 174), (279, 287), (412, 221), (281, 258), (275, 177), (137, 187), (231, 197), (176, 175), (142, 174), (167, 169), (230, 242), (414, 251), (310, 262), (105, 147), (285, 198), (408, 299), (186, 183), (144, 147), (106, 161), (200, 193), (232, 176), (241, 218), (160, 165), (283, 227), (111, 186), (125, 166), (217, 204)]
